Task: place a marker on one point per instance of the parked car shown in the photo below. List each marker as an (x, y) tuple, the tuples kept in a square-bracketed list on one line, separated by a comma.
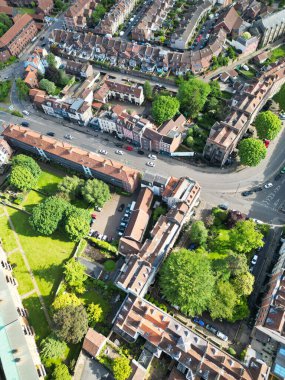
[(25, 112), (25, 124), (120, 152), (268, 185), (266, 143), (129, 148), (199, 321), (211, 328), (222, 336), (68, 137), (51, 134), (103, 151), (121, 207), (151, 164), (246, 193), (192, 246), (93, 215), (97, 208), (254, 260), (282, 171), (257, 221), (152, 156), (257, 189), (223, 206), (141, 152)]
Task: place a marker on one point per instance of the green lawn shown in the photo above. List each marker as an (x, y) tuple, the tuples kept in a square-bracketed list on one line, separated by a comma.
[(23, 10), (247, 73), (46, 254), (48, 182), (280, 98), (277, 53), (21, 273), (37, 318), (7, 235)]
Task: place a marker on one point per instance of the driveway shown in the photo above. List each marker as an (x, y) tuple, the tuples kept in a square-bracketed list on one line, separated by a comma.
[(108, 220)]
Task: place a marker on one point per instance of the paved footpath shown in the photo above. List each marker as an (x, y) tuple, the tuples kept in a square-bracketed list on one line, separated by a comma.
[(36, 288)]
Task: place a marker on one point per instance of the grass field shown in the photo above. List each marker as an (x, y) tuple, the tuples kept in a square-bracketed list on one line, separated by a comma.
[(21, 273), (277, 53), (24, 10), (7, 236), (37, 318)]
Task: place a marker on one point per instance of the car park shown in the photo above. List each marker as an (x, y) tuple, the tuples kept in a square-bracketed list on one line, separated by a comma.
[(121, 207), (211, 328), (50, 134), (151, 164), (254, 260), (199, 321), (152, 156), (119, 152), (222, 336), (268, 185), (246, 193)]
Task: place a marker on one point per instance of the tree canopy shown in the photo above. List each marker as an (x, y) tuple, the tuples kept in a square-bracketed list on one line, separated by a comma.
[(251, 151), (47, 215), (47, 86), (61, 372), (164, 108), (187, 280), (198, 233), (22, 88), (223, 301), (268, 125), (95, 314), (98, 13), (5, 23), (71, 323), (50, 58), (75, 276), (77, 224), (28, 162), (71, 186), (121, 368), (192, 95), (244, 237), (22, 179), (243, 283), (66, 299), (96, 192), (147, 90), (52, 348)]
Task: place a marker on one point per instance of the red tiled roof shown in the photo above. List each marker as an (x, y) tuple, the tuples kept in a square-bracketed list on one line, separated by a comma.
[(93, 342), (20, 23)]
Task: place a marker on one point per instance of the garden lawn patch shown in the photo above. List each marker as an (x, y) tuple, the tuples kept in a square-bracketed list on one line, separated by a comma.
[(277, 53), (32, 199), (36, 317), (24, 10), (92, 296), (7, 236), (48, 182), (247, 73), (21, 273), (46, 254)]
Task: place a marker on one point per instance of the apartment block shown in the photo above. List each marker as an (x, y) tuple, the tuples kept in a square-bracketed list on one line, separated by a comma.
[(19, 35), (75, 18), (5, 152), (270, 27), (19, 357), (123, 92), (67, 155)]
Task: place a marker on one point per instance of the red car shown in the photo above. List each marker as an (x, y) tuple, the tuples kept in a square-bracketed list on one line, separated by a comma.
[(266, 143), (93, 216), (130, 148)]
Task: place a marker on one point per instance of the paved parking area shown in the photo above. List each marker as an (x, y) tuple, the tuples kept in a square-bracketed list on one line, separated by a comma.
[(90, 369), (108, 220)]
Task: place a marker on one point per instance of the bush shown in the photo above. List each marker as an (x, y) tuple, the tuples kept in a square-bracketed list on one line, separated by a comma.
[(104, 245), (109, 265), (232, 351), (17, 113)]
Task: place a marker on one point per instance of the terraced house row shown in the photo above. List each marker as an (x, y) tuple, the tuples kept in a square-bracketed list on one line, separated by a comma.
[(128, 55)]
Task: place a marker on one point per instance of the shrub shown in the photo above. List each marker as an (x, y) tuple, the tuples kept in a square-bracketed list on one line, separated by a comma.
[(104, 245), (109, 265), (232, 351)]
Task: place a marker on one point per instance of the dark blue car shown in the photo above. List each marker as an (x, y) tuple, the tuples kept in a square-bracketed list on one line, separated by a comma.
[(199, 321)]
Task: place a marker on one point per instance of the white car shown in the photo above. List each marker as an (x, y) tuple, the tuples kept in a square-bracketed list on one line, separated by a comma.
[(120, 152), (103, 151), (26, 113), (152, 156), (268, 185), (68, 137), (151, 164), (257, 221), (222, 336), (254, 260)]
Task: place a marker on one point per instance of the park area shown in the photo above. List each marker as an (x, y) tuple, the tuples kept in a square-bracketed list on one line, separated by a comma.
[(39, 262)]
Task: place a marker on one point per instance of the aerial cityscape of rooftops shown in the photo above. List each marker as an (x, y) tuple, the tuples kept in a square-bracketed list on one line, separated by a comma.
[(142, 189)]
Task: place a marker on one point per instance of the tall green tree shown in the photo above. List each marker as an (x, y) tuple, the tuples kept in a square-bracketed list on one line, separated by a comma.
[(22, 88), (5, 87), (164, 108), (77, 224), (71, 186), (147, 90), (268, 125), (22, 179), (61, 372), (223, 301), (66, 299), (251, 151), (74, 275), (96, 192), (50, 58), (47, 86), (198, 233), (243, 284), (52, 348), (28, 162), (192, 95), (95, 314), (98, 13), (241, 310), (71, 323), (245, 237), (47, 215), (187, 280), (121, 368)]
